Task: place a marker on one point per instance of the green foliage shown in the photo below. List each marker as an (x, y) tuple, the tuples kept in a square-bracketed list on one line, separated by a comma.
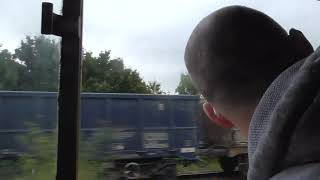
[(103, 74), (185, 86), (95, 144), (39, 161), (9, 169), (9, 71), (40, 57), (34, 66), (90, 149), (155, 87)]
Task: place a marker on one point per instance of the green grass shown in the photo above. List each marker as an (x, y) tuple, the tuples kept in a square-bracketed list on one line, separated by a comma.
[(39, 161), (205, 165), (9, 169)]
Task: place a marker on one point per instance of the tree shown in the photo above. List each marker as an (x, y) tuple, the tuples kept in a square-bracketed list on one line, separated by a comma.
[(155, 87), (103, 74), (9, 69), (185, 86), (35, 67), (40, 57)]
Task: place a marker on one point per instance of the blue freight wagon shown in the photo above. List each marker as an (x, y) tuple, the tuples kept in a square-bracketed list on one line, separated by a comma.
[(147, 128)]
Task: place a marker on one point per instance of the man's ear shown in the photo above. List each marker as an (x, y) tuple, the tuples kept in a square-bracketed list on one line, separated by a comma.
[(219, 120), (301, 46)]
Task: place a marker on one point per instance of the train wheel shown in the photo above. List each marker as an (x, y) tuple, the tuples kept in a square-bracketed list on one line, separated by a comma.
[(132, 170)]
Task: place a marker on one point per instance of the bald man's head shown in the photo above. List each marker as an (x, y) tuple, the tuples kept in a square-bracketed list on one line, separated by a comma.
[(235, 53)]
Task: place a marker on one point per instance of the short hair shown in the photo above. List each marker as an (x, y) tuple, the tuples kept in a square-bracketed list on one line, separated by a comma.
[(235, 53)]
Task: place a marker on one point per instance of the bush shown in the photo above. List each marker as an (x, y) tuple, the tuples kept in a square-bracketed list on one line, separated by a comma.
[(39, 161)]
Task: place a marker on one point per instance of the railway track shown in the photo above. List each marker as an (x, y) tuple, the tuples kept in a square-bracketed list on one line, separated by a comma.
[(203, 176), (212, 176)]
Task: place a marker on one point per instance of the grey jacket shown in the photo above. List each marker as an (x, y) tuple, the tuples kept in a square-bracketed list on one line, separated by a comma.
[(284, 134)]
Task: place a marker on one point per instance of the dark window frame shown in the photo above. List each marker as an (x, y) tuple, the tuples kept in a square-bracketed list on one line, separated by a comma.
[(69, 27)]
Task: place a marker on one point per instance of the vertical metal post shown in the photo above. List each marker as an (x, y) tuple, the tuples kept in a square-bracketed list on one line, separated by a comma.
[(69, 27), (69, 92)]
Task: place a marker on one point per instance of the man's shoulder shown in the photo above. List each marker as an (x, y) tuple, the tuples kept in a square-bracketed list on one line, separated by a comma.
[(301, 145), (267, 104)]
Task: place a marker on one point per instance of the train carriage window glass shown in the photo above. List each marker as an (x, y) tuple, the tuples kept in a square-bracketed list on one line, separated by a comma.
[(141, 115), (29, 77)]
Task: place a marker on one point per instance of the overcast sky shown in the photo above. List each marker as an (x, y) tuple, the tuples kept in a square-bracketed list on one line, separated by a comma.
[(150, 35)]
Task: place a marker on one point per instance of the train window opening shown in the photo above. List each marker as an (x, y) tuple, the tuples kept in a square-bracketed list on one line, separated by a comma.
[(29, 71), (140, 115), (166, 133)]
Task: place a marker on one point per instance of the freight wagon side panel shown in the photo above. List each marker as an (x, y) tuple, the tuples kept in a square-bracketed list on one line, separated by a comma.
[(139, 125), (185, 116), (125, 115), (21, 111), (156, 121)]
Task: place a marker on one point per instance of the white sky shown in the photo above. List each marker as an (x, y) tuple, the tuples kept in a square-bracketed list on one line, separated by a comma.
[(150, 35)]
